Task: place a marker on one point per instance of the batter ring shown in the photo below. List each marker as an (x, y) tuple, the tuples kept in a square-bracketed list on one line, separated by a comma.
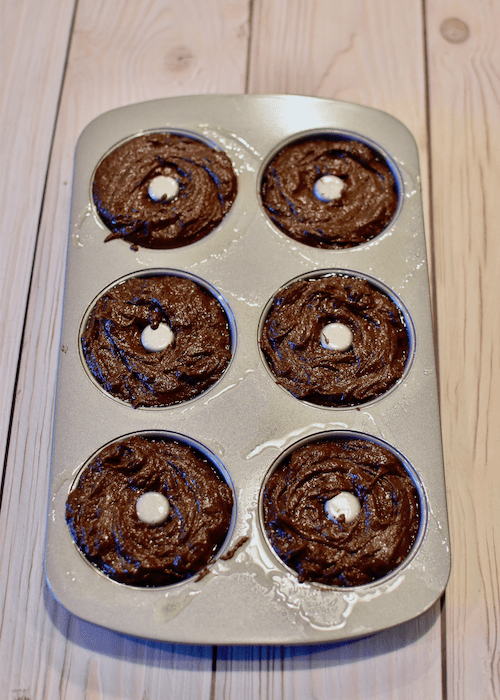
[(204, 177), (195, 360), (101, 511), (367, 202), (291, 340), (336, 552)]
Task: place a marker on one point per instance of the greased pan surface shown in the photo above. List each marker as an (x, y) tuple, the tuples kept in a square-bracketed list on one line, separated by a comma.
[(245, 423)]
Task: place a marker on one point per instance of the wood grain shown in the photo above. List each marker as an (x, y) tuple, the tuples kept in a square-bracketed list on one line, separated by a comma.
[(371, 53), (402, 663), (464, 60), (121, 52), (33, 44)]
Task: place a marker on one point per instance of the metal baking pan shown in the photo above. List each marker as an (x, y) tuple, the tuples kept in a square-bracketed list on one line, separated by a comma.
[(246, 421)]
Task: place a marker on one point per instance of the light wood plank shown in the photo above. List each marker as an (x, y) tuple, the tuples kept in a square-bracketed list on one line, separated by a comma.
[(399, 664), (371, 53), (122, 51), (33, 45), (465, 114)]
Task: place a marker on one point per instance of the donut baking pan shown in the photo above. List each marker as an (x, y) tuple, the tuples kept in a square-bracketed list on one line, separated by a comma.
[(264, 268)]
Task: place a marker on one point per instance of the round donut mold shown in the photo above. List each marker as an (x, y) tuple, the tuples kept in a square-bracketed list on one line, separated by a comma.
[(196, 136), (208, 456), (337, 135), (342, 435), (160, 272), (381, 287)]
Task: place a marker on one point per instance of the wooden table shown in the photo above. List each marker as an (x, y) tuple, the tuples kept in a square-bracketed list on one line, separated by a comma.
[(431, 63)]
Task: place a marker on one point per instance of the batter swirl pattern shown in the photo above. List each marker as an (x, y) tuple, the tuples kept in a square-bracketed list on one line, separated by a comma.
[(116, 357), (205, 178), (102, 516), (336, 552), (365, 207), (290, 341)]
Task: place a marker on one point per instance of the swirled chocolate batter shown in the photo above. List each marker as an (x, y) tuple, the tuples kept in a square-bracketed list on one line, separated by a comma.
[(360, 207), (291, 341), (334, 551), (196, 357), (101, 511), (131, 197)]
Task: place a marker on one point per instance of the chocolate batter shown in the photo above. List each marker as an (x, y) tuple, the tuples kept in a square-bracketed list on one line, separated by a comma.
[(102, 517), (197, 358), (207, 189), (290, 341), (335, 552), (366, 205)]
